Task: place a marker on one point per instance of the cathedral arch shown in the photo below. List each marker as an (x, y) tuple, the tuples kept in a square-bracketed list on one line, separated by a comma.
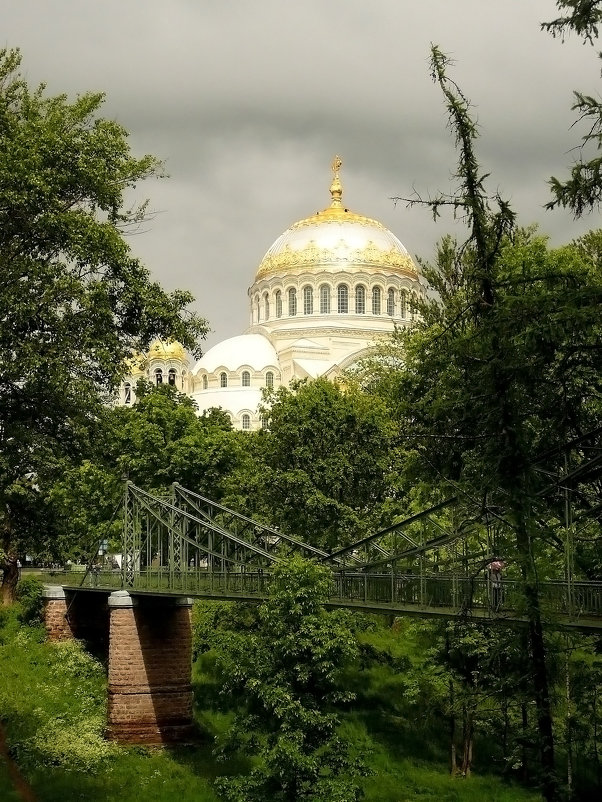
[(360, 300), (390, 301), (292, 302), (324, 299), (343, 299), (376, 300), (308, 300), (403, 303)]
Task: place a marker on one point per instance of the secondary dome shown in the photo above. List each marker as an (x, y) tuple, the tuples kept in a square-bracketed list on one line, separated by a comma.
[(336, 237), (249, 350)]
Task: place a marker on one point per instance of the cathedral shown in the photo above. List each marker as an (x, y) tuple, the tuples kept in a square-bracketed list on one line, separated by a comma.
[(325, 292)]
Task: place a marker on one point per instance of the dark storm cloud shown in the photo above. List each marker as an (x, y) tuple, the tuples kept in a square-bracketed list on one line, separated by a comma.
[(247, 102)]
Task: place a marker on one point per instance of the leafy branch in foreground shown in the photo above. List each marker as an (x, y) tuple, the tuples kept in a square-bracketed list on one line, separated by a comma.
[(288, 676)]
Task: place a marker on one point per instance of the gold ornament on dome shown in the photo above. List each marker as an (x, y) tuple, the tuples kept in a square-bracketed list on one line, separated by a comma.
[(312, 255)]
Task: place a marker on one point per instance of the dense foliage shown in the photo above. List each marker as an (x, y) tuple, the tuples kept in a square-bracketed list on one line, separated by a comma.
[(74, 300)]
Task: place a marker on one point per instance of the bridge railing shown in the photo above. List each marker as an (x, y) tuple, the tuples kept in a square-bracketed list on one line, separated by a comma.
[(401, 591)]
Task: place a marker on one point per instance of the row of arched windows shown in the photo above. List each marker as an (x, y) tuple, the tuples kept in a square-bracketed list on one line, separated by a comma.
[(245, 379), (359, 300), (246, 421), (171, 376)]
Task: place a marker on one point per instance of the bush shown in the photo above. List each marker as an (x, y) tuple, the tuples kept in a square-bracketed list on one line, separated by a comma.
[(29, 596)]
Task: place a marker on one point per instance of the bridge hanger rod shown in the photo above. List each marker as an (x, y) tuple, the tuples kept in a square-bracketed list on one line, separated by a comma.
[(142, 495), (274, 532), (401, 524)]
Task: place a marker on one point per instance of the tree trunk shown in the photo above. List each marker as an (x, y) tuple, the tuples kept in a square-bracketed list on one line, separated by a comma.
[(10, 577), (467, 738), (549, 783), (453, 764), (525, 729), (569, 727)]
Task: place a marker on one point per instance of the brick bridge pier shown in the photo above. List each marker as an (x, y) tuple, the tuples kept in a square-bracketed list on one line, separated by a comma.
[(148, 640)]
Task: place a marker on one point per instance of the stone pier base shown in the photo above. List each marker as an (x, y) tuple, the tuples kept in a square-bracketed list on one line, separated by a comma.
[(150, 658), (57, 624)]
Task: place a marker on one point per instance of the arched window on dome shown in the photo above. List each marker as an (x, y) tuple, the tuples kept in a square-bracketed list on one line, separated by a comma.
[(324, 299), (391, 302), (246, 421), (360, 300), (266, 306), (158, 377), (205, 382), (278, 303), (171, 377), (257, 309), (223, 379), (127, 393), (308, 300), (376, 300), (292, 302), (246, 378), (402, 303), (343, 299), (269, 379)]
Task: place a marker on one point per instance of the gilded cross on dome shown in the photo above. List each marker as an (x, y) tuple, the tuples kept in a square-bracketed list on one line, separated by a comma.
[(336, 188)]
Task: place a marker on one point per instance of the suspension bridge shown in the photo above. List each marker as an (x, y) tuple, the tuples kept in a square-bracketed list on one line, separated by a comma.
[(186, 546), (189, 545)]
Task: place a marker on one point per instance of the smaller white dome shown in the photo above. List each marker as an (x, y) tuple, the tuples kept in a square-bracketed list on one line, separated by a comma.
[(246, 350)]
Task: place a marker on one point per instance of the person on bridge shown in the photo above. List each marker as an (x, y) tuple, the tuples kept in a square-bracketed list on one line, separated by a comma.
[(495, 569)]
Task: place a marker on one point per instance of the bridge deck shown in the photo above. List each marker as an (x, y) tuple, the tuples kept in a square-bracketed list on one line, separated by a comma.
[(578, 605)]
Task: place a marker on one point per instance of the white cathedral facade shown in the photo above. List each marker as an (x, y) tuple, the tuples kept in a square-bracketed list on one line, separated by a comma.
[(326, 291)]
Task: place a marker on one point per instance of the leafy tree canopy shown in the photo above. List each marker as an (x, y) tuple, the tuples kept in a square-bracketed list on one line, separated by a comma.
[(327, 466), (74, 300), (287, 675)]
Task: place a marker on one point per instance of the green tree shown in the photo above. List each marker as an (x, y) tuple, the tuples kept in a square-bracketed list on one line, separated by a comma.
[(327, 466), (504, 366), (158, 441), (288, 676), (74, 300), (581, 192)]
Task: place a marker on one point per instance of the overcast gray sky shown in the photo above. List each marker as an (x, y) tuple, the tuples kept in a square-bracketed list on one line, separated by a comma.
[(247, 101)]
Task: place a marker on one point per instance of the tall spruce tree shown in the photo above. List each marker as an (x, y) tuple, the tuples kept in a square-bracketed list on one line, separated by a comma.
[(505, 366)]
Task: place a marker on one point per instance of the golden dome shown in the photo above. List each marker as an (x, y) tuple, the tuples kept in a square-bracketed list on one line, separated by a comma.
[(162, 350), (336, 237), (136, 365)]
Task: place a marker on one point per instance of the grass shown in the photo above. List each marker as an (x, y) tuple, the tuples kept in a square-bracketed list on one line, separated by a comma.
[(52, 706)]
